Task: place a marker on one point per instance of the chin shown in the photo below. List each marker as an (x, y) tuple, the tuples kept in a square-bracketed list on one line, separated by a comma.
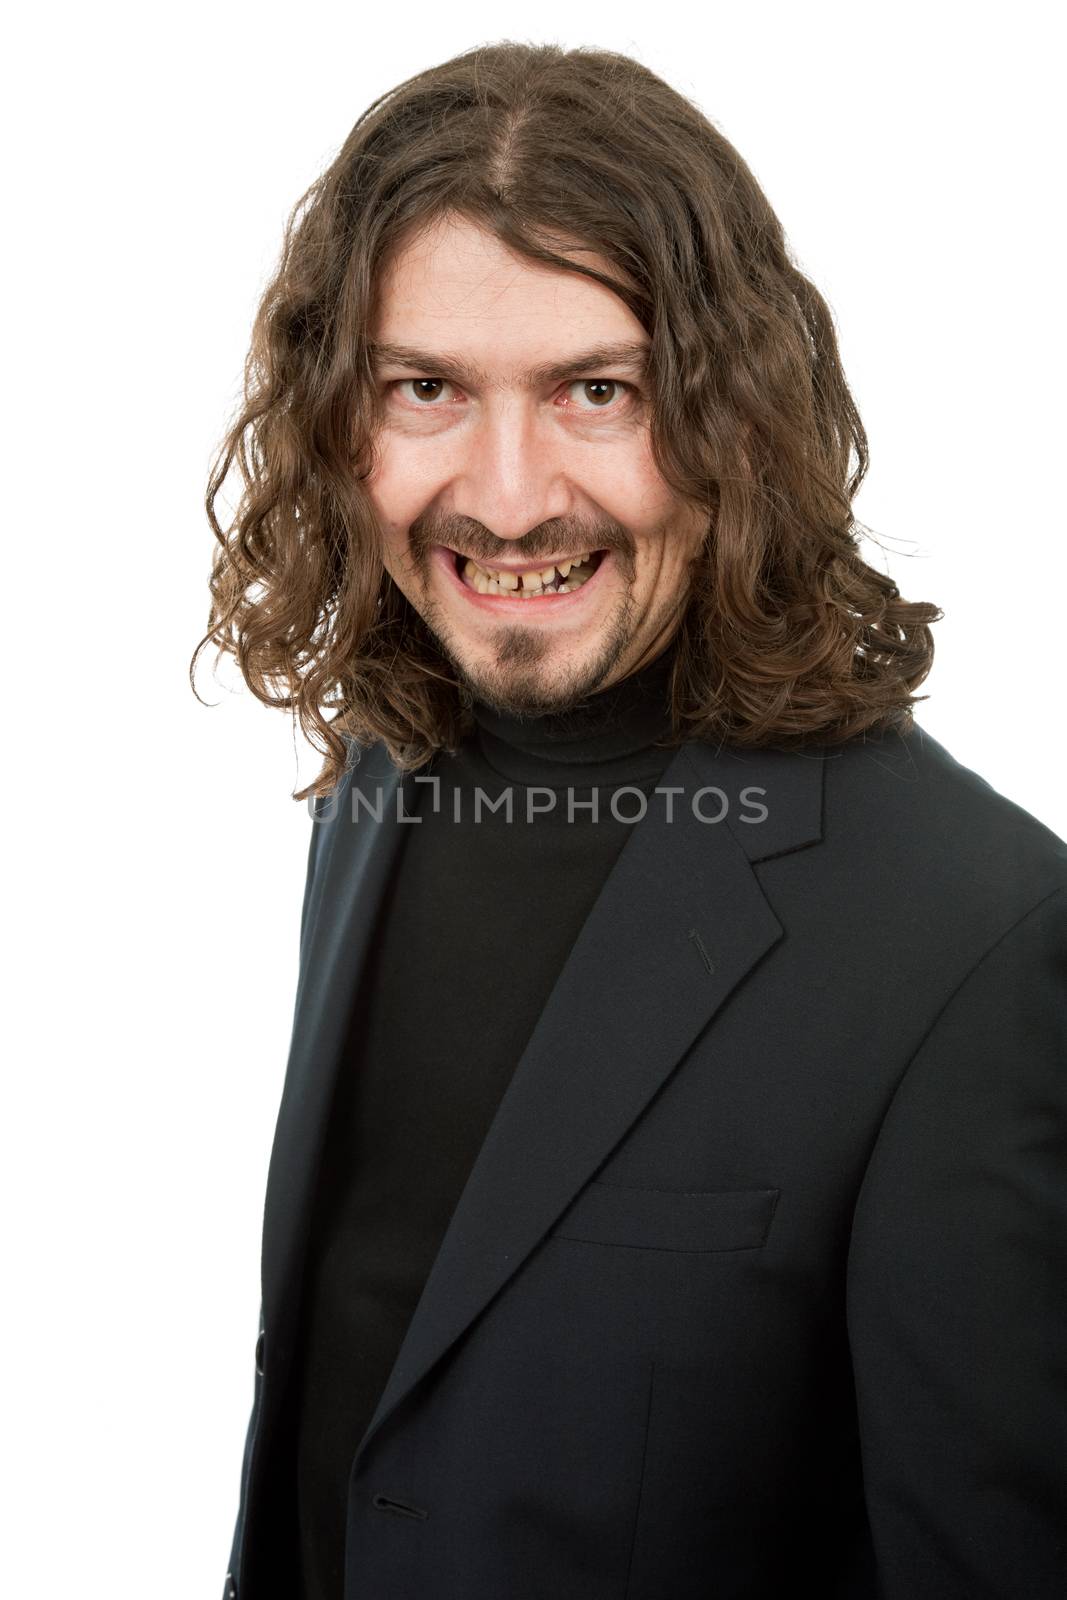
[(530, 688)]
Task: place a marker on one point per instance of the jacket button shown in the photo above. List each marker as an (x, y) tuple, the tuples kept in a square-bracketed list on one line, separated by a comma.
[(259, 1352), (230, 1591)]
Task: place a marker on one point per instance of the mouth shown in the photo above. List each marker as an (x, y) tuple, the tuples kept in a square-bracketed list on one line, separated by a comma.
[(533, 591)]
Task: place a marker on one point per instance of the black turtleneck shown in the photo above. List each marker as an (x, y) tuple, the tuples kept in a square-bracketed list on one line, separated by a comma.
[(480, 917)]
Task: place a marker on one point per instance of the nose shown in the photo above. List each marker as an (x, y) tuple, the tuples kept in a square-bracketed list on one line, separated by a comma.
[(511, 475)]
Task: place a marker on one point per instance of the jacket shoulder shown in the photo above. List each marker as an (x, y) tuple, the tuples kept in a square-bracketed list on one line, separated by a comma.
[(906, 798)]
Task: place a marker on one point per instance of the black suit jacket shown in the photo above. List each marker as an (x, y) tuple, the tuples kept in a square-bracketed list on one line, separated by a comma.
[(759, 1278)]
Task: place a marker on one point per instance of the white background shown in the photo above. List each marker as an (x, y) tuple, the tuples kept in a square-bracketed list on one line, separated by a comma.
[(155, 857)]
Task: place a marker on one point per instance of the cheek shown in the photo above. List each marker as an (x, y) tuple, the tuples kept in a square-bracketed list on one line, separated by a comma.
[(391, 537), (404, 482), (393, 518), (663, 563), (629, 488)]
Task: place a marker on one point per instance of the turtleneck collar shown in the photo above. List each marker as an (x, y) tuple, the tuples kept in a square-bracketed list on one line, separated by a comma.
[(598, 740)]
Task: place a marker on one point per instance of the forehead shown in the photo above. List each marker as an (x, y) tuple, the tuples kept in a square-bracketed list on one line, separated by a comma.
[(456, 288)]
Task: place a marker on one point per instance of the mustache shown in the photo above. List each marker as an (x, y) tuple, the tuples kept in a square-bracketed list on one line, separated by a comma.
[(460, 533)]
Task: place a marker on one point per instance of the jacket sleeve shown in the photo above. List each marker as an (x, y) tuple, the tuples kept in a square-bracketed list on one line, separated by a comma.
[(957, 1289), (320, 815)]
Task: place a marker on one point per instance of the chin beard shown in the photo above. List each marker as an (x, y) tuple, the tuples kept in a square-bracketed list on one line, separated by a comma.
[(521, 681), (528, 699)]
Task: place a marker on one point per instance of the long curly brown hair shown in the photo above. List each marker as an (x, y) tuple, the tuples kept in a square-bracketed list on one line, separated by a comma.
[(788, 638)]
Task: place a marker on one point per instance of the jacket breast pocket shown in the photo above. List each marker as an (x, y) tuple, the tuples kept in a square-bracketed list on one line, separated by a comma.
[(668, 1219)]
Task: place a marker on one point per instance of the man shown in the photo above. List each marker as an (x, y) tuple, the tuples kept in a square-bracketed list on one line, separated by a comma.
[(669, 1186)]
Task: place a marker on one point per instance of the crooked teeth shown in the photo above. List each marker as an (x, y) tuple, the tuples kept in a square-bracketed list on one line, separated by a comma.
[(527, 584)]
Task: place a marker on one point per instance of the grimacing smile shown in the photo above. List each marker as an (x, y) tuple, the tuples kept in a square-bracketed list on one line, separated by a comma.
[(525, 584)]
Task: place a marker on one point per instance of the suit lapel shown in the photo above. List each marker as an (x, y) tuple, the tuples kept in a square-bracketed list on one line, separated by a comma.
[(680, 922)]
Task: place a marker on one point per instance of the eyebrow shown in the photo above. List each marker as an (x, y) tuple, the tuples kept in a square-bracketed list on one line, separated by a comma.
[(453, 368)]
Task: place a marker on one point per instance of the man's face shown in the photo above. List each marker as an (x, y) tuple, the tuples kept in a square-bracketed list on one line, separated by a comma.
[(516, 469)]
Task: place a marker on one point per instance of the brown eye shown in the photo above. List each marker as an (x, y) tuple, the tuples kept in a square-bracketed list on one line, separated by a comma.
[(602, 394), (600, 384), (423, 384)]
